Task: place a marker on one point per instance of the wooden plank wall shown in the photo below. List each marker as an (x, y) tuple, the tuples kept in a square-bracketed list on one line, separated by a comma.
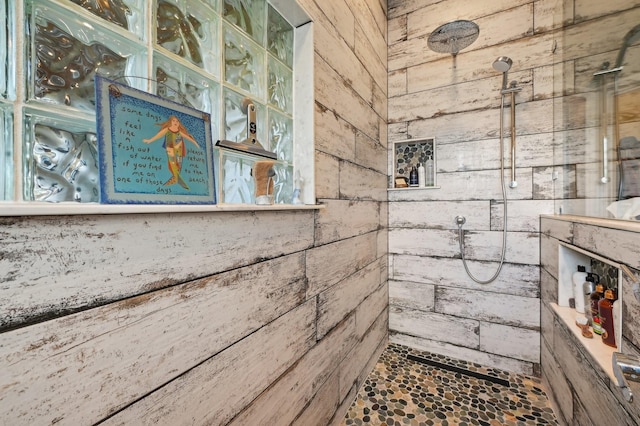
[(434, 305), (555, 47), (215, 318)]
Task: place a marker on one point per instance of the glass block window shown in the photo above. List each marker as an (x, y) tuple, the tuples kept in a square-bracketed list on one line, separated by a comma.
[(212, 55)]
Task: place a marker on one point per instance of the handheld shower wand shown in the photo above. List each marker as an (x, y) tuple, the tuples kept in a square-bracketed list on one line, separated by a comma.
[(503, 64)]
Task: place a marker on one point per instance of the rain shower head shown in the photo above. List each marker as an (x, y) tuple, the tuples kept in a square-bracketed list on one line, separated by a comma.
[(502, 64), (453, 37)]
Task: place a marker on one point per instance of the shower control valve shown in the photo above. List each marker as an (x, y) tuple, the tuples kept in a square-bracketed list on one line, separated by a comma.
[(460, 220)]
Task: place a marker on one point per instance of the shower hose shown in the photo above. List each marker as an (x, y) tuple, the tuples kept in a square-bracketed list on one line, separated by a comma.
[(460, 220)]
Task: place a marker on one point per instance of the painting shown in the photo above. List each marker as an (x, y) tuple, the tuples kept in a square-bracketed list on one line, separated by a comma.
[(152, 150)]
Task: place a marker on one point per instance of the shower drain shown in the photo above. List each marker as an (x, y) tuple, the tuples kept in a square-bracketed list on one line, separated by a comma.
[(496, 380)]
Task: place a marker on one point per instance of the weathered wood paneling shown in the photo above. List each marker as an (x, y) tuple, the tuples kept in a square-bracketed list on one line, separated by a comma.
[(285, 399), (207, 318), (587, 380), (327, 265), (625, 244), (439, 214), (318, 412), (331, 47), (577, 382), (336, 94), (522, 215), (512, 342), (344, 219), (479, 245), (457, 101), (337, 301), (328, 167), (518, 280), (131, 347), (461, 352), (214, 391), (359, 362), (359, 183), (371, 153), (562, 397), (468, 159), (410, 295), (368, 311), (68, 253), (483, 306), (435, 326)]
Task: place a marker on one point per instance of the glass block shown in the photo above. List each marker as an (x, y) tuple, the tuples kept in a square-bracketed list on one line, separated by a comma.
[(189, 29), (60, 161), (7, 51), (280, 37), (6, 148), (235, 119), (237, 183), (280, 86), (283, 187), (188, 87), (244, 63), (214, 4), (281, 135), (248, 15), (66, 53), (128, 14)]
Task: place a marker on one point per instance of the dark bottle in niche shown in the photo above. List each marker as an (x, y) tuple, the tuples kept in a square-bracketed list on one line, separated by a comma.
[(413, 176), (605, 311)]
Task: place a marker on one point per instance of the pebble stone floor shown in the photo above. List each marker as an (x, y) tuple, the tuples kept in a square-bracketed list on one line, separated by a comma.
[(403, 391)]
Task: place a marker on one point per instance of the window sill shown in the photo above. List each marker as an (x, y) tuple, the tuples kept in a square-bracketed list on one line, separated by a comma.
[(413, 188), (62, 209)]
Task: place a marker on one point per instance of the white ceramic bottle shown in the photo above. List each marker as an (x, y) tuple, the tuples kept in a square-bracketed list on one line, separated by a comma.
[(421, 176), (430, 173), (578, 279)]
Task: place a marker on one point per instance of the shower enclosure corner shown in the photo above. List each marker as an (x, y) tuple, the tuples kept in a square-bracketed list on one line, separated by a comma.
[(597, 119)]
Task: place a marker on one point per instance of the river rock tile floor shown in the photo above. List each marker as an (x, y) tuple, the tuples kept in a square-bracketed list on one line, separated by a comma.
[(410, 387)]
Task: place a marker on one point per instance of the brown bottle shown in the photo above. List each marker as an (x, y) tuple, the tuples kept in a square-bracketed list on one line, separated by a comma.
[(605, 311), (595, 298)]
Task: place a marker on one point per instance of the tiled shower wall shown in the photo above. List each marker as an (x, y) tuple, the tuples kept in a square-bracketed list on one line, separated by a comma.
[(434, 306)]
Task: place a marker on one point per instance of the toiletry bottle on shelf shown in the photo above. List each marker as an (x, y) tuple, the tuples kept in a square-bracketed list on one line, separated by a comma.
[(413, 176), (595, 314), (430, 173), (616, 310), (578, 279), (421, 176), (588, 287), (605, 311)]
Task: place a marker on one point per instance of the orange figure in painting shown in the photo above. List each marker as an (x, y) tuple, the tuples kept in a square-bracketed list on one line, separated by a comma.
[(174, 136)]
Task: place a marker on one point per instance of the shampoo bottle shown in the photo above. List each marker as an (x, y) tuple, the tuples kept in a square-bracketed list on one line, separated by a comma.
[(595, 314), (605, 310), (430, 173), (421, 176), (413, 176), (578, 279), (588, 287)]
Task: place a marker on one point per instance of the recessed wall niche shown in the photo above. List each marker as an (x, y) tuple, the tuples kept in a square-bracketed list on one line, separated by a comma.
[(411, 153)]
